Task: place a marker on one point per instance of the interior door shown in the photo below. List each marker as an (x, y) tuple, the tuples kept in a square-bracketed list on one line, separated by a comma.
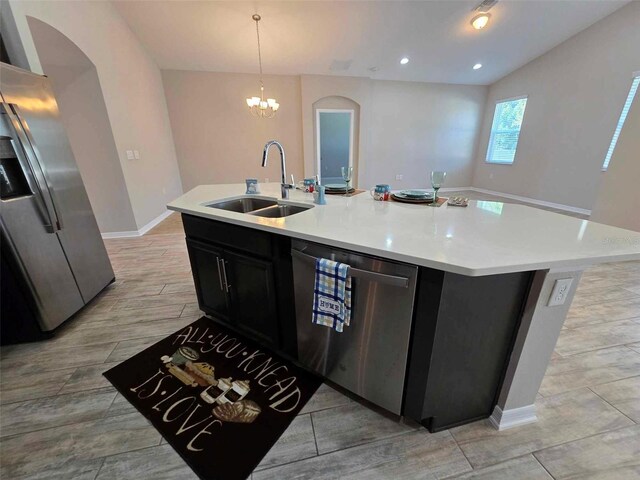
[(253, 295), (335, 132), (206, 265), (28, 234)]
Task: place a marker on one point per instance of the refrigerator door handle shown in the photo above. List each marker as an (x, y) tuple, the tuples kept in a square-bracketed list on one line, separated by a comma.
[(30, 174), (30, 148)]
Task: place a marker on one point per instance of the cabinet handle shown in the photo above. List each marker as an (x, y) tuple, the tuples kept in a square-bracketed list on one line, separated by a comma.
[(219, 273), (224, 272)]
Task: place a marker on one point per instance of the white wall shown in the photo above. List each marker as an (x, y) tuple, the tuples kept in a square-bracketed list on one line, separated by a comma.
[(402, 128), (132, 89), (406, 128), (576, 92), (84, 115), (618, 201), (420, 127), (217, 139)]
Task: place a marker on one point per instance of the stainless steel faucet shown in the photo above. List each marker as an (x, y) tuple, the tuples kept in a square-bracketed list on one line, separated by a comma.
[(284, 186)]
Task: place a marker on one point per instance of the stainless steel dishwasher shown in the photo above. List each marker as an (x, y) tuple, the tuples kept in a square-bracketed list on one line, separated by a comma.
[(369, 357)]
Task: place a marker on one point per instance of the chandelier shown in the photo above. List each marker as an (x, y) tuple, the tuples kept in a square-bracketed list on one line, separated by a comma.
[(258, 105)]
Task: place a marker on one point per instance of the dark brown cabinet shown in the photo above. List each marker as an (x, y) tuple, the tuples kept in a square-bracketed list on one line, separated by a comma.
[(252, 294), (464, 329), (208, 277), (243, 278)]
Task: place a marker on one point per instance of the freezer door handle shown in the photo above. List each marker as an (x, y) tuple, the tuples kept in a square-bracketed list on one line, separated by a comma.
[(28, 168), (30, 148)]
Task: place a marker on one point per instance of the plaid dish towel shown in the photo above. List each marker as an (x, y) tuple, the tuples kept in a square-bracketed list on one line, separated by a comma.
[(332, 294)]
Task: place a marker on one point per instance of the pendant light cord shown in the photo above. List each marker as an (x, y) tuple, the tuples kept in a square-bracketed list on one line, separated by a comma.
[(259, 106), (259, 52)]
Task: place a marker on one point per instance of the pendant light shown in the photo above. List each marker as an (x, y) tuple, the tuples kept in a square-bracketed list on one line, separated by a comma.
[(258, 105)]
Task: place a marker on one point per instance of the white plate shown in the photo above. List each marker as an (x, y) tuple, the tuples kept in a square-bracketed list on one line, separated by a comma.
[(415, 194), (336, 186)]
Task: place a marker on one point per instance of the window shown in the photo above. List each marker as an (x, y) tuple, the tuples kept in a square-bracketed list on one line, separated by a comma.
[(623, 117), (505, 130)]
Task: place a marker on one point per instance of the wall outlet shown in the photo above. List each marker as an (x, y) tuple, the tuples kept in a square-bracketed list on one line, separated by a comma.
[(136, 154), (130, 155), (559, 292), (398, 177)]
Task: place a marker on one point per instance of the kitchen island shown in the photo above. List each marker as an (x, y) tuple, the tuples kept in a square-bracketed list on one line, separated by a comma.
[(481, 330)]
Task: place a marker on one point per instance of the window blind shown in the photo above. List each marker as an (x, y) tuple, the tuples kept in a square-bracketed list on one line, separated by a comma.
[(505, 131), (623, 117)]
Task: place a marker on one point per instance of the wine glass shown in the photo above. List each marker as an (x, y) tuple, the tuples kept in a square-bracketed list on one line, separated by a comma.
[(437, 179), (347, 174)]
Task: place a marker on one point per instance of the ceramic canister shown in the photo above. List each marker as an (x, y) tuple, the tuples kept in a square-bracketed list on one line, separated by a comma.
[(308, 184), (381, 191)]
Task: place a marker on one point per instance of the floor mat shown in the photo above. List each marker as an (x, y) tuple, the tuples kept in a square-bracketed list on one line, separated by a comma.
[(219, 399)]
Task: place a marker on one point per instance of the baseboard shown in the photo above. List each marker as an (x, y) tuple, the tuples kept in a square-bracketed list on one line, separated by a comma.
[(514, 417), (155, 222), (454, 189), (124, 234), (138, 233), (535, 201)]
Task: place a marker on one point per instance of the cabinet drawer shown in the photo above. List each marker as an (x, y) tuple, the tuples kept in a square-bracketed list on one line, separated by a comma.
[(239, 238)]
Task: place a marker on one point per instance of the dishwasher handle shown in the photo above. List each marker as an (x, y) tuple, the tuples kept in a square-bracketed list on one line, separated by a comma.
[(391, 280)]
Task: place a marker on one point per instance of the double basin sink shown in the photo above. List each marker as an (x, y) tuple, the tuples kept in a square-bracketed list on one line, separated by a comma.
[(259, 207)]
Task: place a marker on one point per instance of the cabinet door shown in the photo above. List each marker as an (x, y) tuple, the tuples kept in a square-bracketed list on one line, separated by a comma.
[(208, 276), (253, 295)]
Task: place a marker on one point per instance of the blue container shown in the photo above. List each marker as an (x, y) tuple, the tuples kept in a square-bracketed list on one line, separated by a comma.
[(318, 195), (252, 186)]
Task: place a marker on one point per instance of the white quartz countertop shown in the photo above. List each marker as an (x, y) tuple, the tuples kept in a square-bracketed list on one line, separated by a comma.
[(484, 238)]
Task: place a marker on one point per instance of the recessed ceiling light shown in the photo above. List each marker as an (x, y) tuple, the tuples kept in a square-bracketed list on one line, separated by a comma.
[(480, 21), (477, 66), (404, 61)]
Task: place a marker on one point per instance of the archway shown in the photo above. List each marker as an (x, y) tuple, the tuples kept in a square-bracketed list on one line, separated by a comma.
[(83, 112)]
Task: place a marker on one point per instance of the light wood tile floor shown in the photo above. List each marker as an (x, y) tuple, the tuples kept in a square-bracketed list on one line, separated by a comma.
[(60, 419)]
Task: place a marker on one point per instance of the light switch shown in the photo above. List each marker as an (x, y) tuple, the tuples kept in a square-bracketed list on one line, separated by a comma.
[(559, 292), (136, 154), (130, 155)]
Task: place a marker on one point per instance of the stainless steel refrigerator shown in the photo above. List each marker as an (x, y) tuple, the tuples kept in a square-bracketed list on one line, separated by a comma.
[(49, 232)]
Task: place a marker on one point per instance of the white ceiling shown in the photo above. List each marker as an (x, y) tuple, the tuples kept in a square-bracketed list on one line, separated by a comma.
[(306, 37)]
